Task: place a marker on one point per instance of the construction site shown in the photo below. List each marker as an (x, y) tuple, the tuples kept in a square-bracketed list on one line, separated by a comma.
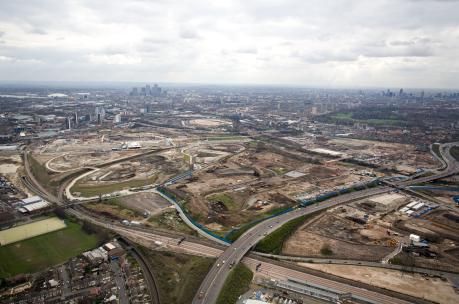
[(393, 228), (249, 181), (372, 154), (142, 171)]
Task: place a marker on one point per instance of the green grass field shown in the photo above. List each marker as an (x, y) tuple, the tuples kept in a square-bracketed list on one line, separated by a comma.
[(274, 241), (88, 191), (348, 117), (36, 254), (178, 275), (236, 284)]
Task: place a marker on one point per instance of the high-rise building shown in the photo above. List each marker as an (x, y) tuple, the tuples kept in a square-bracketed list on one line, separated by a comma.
[(100, 114), (117, 118), (156, 90), (147, 90), (134, 92)]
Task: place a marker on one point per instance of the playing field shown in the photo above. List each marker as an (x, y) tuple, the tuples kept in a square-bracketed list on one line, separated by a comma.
[(38, 253), (27, 231)]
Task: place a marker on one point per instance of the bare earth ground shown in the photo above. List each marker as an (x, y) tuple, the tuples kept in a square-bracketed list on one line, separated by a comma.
[(346, 239), (245, 188), (131, 207), (304, 243), (209, 122), (68, 161), (432, 289), (409, 160), (145, 201), (11, 167)]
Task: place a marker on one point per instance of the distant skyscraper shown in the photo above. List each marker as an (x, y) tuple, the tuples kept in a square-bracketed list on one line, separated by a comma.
[(156, 91), (100, 114), (147, 90), (134, 92), (117, 118)]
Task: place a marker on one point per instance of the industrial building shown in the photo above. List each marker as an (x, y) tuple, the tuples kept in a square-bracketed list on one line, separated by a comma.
[(32, 204)]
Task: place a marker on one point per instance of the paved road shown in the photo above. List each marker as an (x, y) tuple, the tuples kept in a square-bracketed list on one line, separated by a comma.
[(452, 167), (66, 290), (256, 232), (215, 279), (171, 243), (268, 269), (119, 280), (212, 284)]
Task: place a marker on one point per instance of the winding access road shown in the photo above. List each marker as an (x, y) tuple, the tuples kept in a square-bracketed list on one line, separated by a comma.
[(215, 279)]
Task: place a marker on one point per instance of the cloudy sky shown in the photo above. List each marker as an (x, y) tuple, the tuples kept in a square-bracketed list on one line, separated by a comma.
[(409, 43)]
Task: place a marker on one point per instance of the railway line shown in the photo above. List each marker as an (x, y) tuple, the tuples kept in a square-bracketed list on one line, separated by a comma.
[(212, 284), (214, 281)]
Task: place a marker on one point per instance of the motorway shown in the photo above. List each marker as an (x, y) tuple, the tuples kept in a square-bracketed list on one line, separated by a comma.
[(267, 269), (170, 243), (215, 279), (212, 284), (452, 167)]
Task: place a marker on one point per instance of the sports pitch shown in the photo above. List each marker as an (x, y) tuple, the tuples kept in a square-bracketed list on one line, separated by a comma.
[(37, 253), (31, 230)]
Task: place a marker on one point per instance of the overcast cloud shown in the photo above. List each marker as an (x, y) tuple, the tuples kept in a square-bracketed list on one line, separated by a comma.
[(409, 43)]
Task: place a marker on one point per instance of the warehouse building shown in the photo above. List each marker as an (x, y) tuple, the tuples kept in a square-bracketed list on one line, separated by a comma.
[(32, 205)]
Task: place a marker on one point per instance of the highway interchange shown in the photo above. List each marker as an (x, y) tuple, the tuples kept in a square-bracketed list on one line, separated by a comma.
[(234, 253), (215, 279)]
